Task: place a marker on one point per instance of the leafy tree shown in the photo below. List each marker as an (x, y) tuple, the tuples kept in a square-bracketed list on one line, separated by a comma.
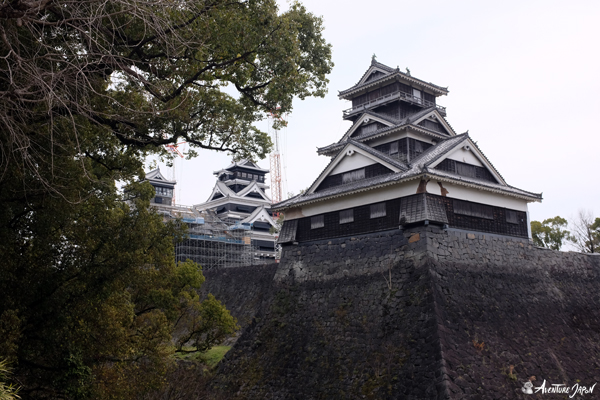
[(550, 233), (92, 302), (153, 72), (586, 232)]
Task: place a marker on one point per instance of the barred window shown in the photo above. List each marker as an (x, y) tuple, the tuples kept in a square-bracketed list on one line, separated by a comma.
[(352, 176), (346, 216), (511, 217), (473, 209), (378, 210), (317, 222)]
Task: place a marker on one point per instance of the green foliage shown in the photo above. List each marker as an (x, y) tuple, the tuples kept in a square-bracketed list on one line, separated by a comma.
[(91, 297), (8, 391), (214, 355), (278, 224), (155, 72), (586, 232), (550, 233)]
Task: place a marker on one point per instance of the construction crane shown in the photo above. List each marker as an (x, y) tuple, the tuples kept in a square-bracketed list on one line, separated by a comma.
[(173, 148), (275, 171)]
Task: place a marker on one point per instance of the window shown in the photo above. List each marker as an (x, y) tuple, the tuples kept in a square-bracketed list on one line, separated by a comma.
[(512, 217), (394, 148), (346, 216), (417, 95), (378, 210), (317, 222), (162, 191), (473, 209), (352, 176)]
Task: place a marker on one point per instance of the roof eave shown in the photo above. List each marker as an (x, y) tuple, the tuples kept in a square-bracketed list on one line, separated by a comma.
[(533, 197), (348, 92)]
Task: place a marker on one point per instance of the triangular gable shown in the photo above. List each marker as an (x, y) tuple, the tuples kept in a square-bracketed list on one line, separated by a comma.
[(250, 164), (259, 214), (251, 188), (362, 120), (373, 70), (221, 188), (434, 115), (349, 150), (469, 146), (156, 175)]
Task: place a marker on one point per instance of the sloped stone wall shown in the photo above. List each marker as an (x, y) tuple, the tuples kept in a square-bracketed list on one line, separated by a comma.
[(503, 303), (349, 318), (420, 314)]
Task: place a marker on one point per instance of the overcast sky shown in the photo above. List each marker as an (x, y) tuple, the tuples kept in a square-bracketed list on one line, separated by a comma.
[(522, 79)]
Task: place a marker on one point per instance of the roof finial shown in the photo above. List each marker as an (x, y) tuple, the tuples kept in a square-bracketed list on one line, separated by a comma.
[(407, 71), (373, 58)]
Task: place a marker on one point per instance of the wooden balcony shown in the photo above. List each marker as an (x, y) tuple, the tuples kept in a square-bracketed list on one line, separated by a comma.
[(388, 98)]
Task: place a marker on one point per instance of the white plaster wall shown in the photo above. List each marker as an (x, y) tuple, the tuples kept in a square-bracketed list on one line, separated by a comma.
[(406, 189), (478, 196), (349, 163), (340, 203), (465, 156)]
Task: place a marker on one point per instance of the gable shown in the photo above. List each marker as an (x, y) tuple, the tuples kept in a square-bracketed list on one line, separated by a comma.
[(435, 122), (466, 160), (352, 167), (351, 163), (254, 191), (372, 74), (365, 120)]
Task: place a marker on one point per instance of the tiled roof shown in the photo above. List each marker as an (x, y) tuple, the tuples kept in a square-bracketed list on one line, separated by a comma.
[(380, 155), (245, 163), (435, 152), (391, 72), (398, 124), (417, 167), (156, 176)]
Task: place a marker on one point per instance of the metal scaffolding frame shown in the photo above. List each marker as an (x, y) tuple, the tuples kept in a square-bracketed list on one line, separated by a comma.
[(211, 242)]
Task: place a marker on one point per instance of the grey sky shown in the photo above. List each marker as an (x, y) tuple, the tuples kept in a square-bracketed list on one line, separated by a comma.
[(522, 76)]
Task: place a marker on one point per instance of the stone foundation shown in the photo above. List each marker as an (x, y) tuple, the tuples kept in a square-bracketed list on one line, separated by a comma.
[(419, 314)]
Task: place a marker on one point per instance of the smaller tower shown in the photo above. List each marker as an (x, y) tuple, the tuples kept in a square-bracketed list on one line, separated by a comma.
[(164, 188)]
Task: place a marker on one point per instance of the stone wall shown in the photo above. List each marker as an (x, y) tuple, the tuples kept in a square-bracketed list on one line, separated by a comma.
[(502, 303), (420, 314)]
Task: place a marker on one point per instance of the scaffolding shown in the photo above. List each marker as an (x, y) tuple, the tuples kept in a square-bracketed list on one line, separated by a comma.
[(210, 242)]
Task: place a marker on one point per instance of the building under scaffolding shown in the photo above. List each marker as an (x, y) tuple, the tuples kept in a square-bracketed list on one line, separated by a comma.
[(210, 242)]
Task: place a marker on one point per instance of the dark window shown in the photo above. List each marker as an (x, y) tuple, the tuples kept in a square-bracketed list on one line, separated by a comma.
[(317, 222), (352, 176), (416, 148), (468, 170), (346, 216), (473, 209), (378, 210), (512, 217), (433, 125), (429, 97)]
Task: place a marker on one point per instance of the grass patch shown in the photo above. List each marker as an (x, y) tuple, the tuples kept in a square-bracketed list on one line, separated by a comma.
[(210, 358)]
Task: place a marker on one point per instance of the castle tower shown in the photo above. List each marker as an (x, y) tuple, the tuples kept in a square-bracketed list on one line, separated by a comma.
[(239, 199), (401, 164)]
